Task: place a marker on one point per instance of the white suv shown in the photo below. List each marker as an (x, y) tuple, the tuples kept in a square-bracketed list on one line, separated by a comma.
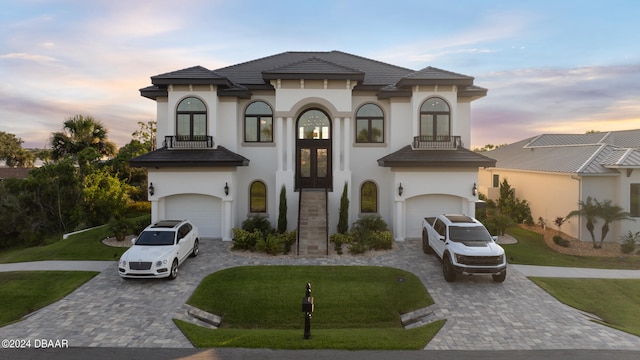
[(160, 250)]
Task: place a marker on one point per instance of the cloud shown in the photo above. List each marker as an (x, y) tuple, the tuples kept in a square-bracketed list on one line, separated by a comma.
[(29, 57)]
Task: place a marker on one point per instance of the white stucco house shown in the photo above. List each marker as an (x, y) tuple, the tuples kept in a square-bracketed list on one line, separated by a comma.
[(553, 172), (312, 121)]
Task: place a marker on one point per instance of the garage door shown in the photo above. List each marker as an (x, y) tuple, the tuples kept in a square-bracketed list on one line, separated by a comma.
[(204, 211), (419, 207)]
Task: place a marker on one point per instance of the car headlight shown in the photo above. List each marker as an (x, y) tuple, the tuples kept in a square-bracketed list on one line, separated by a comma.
[(123, 263), (161, 262)]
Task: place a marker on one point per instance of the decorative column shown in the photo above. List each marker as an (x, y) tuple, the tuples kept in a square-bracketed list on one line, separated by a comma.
[(399, 220), (280, 142), (346, 140), (226, 219), (290, 136)]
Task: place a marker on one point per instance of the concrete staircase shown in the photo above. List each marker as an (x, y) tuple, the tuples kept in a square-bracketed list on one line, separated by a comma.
[(312, 227)]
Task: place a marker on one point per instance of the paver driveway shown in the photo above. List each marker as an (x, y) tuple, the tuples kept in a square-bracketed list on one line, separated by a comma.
[(481, 315)]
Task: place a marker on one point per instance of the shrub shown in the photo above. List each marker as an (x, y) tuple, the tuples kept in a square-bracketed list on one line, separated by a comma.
[(338, 239), (288, 239), (627, 248), (272, 244), (137, 226), (119, 227), (282, 211), (629, 242), (561, 242), (381, 240), (258, 222), (245, 240), (357, 248), (370, 223), (343, 215)]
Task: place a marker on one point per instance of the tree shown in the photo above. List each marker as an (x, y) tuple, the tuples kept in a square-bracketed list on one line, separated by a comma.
[(282, 215), (78, 133), (104, 196), (12, 153), (589, 211), (610, 213), (343, 219), (146, 134), (509, 204)]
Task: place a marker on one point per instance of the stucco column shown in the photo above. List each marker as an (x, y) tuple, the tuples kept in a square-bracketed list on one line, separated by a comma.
[(281, 142), (226, 220), (291, 137), (399, 220), (338, 145), (346, 140)]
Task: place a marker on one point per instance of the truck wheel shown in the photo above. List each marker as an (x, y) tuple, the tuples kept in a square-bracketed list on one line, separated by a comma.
[(425, 243), (447, 269), (500, 277), (173, 274)]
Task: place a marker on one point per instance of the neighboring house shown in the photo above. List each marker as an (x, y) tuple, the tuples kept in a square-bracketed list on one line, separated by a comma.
[(554, 172), (312, 121), (13, 172)]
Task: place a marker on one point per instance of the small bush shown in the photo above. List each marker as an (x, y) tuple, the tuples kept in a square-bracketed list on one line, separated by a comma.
[(258, 222), (288, 239), (629, 242), (356, 248), (370, 223), (381, 240), (137, 226), (119, 227), (272, 244), (339, 239), (561, 242), (245, 240), (627, 248)]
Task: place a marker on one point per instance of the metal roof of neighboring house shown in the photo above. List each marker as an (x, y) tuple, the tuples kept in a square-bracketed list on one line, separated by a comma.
[(241, 79), (460, 157), (583, 154), (163, 157)]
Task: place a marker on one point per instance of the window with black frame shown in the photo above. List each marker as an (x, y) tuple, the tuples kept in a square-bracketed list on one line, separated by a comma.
[(258, 123), (369, 124), (191, 120)]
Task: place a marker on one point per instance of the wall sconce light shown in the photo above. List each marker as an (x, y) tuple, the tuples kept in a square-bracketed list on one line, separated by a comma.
[(152, 190), (226, 188), (474, 190), (400, 190)]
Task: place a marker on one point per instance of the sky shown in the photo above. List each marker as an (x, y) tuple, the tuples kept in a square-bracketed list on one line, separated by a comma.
[(559, 66)]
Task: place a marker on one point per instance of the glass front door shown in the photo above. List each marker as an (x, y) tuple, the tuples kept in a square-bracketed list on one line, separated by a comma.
[(313, 151)]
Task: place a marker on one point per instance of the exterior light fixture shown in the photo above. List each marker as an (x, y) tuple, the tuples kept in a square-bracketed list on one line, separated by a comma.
[(226, 188), (152, 190), (400, 190), (474, 190)]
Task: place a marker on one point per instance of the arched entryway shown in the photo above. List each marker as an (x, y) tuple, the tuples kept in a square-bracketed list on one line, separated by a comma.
[(313, 150)]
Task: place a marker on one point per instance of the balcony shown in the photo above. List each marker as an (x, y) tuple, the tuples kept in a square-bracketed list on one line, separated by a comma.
[(444, 142), (188, 142)]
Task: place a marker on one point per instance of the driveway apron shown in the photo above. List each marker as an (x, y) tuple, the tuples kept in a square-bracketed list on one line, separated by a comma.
[(481, 314)]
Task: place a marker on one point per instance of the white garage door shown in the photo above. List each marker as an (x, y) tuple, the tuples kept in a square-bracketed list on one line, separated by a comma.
[(204, 211), (419, 207)]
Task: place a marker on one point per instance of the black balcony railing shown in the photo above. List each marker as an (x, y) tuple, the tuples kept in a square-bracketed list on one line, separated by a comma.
[(188, 142), (436, 142)]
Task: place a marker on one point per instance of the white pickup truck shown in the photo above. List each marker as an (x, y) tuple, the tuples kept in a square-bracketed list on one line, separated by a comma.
[(464, 246)]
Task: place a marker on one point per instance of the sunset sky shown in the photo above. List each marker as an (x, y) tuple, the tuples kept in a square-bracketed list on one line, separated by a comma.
[(550, 66)]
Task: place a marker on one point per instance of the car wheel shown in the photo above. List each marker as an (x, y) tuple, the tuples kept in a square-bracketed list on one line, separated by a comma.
[(196, 250), (447, 269), (500, 277), (174, 270), (425, 243)]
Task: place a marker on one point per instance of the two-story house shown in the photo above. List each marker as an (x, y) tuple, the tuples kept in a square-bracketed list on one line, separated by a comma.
[(312, 122)]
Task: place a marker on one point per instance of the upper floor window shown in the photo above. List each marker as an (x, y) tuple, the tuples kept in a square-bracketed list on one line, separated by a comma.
[(435, 120), (258, 197), (634, 200), (191, 119), (368, 197), (258, 123), (369, 124)]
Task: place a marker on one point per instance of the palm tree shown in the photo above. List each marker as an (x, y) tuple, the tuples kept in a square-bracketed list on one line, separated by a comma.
[(78, 133), (610, 213), (590, 211)]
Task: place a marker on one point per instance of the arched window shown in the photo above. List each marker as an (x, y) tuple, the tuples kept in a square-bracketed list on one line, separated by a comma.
[(435, 123), (258, 197), (368, 197), (369, 124), (314, 124), (258, 123), (191, 119)]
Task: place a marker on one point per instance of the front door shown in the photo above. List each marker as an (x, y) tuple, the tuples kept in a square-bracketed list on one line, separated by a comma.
[(313, 151)]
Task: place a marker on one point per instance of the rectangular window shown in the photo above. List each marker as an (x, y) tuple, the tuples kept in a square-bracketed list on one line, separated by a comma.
[(496, 180), (321, 165), (362, 131), (250, 129), (305, 162), (634, 200), (442, 127), (426, 125), (266, 129), (184, 126), (199, 125), (376, 130)]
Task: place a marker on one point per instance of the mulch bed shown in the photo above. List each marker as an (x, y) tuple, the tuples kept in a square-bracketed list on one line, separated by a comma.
[(577, 247)]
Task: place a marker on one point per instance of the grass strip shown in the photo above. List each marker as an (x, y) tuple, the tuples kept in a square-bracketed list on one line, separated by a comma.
[(615, 301), (24, 292), (531, 249)]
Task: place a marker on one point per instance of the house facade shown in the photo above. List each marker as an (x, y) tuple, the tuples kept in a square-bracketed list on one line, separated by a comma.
[(312, 121), (554, 172)]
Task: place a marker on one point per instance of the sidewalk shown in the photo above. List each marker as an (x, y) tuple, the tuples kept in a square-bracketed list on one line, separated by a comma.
[(526, 270)]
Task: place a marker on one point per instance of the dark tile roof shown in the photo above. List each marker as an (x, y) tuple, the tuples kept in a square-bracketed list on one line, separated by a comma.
[(240, 79), (11, 172), (164, 157), (461, 157)]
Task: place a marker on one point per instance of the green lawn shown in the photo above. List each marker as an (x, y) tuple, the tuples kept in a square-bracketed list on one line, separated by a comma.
[(532, 250), (615, 301), (24, 292), (355, 308)]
